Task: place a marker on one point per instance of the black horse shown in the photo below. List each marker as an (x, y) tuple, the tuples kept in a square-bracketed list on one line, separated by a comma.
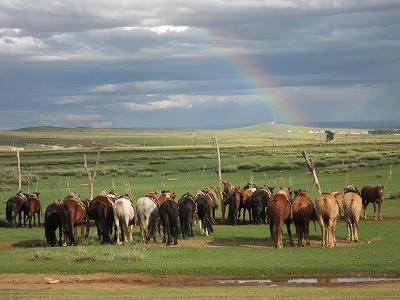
[(168, 212), (187, 209), (259, 201), (14, 207), (204, 213), (52, 221), (154, 225)]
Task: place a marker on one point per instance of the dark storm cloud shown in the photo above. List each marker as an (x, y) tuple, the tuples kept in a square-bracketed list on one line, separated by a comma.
[(101, 63)]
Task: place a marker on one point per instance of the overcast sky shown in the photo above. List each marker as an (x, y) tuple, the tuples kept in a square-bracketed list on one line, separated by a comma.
[(219, 63)]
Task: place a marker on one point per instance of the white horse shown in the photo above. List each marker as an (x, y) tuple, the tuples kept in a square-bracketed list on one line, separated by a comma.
[(124, 219), (144, 208)]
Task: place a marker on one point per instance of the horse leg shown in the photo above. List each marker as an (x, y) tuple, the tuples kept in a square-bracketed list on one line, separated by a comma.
[(355, 230), (348, 227), (375, 212), (223, 208), (307, 233), (298, 235), (379, 210), (289, 233), (30, 215), (88, 228)]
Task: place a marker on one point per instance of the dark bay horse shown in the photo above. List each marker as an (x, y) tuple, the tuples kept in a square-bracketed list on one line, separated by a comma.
[(279, 212), (187, 210), (33, 208), (303, 213), (52, 221), (204, 214), (14, 208), (373, 195), (100, 210), (73, 214), (235, 201), (168, 213)]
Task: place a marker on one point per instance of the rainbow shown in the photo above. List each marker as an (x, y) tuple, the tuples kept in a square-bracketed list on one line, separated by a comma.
[(278, 108)]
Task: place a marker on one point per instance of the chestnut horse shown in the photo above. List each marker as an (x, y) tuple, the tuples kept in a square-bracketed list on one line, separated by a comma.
[(303, 213), (327, 207), (73, 214), (279, 212), (100, 210), (212, 194), (352, 207), (373, 195), (33, 208), (228, 189)]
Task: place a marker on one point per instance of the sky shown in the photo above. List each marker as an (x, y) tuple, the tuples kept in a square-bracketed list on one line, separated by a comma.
[(197, 64)]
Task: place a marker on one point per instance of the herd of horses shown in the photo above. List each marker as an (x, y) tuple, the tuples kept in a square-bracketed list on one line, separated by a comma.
[(114, 215), (283, 208)]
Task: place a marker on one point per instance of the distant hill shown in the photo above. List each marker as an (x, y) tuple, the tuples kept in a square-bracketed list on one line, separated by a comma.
[(355, 124), (267, 126)]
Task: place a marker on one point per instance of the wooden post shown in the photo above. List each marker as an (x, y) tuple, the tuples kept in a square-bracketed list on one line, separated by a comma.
[(89, 174), (19, 171), (312, 169), (220, 187)]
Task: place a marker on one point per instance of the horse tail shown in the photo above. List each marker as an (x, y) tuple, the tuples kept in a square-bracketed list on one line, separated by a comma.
[(124, 228), (66, 216), (208, 223), (101, 221), (9, 212)]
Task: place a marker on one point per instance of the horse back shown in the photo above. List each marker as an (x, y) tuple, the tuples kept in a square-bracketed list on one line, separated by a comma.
[(371, 194), (326, 206), (77, 211), (278, 208)]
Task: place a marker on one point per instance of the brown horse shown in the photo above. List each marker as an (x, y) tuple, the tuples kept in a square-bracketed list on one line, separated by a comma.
[(228, 189), (303, 212), (33, 209), (212, 194), (352, 206), (73, 214), (246, 203), (373, 195), (327, 207), (279, 212), (100, 210)]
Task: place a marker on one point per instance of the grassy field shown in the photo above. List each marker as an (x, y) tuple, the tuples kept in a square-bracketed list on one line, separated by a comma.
[(138, 161)]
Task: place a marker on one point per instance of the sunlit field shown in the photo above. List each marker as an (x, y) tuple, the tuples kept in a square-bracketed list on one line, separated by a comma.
[(136, 162)]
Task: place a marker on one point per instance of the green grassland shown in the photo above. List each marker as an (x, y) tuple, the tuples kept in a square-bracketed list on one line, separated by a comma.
[(185, 160)]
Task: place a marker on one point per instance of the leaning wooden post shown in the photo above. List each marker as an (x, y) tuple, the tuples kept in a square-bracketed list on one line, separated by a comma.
[(312, 169), (91, 185), (19, 171), (220, 187), (89, 174)]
